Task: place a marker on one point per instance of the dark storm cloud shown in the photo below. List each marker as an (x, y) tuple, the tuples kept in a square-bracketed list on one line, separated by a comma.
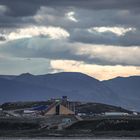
[(2, 38), (8, 22), (97, 4), (84, 36), (101, 13), (25, 8), (21, 7), (89, 13), (29, 7), (131, 38)]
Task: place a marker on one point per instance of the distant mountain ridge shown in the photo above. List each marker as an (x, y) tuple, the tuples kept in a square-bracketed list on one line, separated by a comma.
[(127, 89), (77, 86)]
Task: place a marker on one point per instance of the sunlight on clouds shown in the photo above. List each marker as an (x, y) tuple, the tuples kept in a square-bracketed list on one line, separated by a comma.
[(96, 71), (111, 54), (117, 30), (53, 32), (39, 47), (71, 16)]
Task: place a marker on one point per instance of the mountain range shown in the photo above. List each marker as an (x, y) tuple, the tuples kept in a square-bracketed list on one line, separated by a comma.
[(124, 92)]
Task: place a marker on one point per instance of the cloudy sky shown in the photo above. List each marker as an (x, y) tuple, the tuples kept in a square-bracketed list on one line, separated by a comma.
[(98, 37)]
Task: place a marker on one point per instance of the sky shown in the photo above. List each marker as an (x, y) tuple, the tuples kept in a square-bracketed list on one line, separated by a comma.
[(100, 38)]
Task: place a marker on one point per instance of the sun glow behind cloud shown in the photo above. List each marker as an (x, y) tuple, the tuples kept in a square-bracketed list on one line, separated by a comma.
[(28, 32), (97, 71), (116, 30)]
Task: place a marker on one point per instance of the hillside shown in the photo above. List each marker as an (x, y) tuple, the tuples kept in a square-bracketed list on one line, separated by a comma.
[(76, 86), (124, 92), (98, 108), (12, 90), (127, 89)]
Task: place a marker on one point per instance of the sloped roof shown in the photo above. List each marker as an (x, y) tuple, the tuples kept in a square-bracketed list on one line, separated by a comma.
[(40, 108)]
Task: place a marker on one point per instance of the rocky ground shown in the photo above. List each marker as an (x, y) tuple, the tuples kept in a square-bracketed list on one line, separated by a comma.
[(98, 127)]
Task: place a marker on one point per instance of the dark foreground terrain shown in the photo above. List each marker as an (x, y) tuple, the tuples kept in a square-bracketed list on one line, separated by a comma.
[(126, 126), (65, 133), (94, 122)]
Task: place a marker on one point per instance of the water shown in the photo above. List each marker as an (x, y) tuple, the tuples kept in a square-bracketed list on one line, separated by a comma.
[(70, 138)]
